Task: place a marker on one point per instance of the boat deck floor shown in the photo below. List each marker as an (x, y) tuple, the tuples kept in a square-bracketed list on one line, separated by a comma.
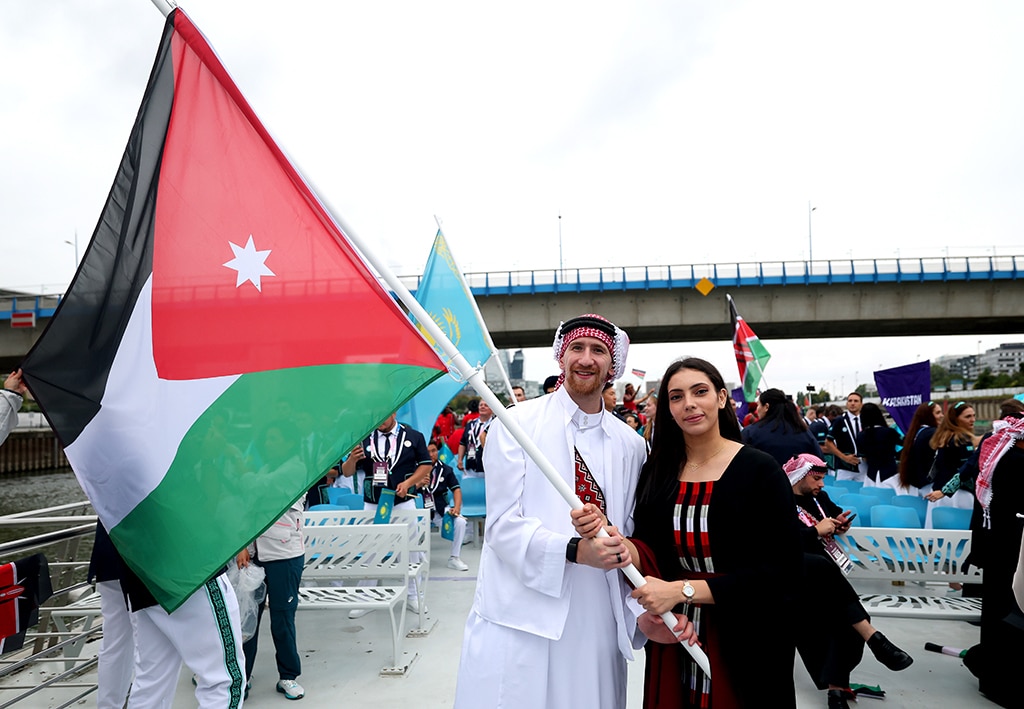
[(342, 658)]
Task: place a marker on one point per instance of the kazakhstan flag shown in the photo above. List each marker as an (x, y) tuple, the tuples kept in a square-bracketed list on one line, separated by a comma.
[(385, 504), (444, 294)]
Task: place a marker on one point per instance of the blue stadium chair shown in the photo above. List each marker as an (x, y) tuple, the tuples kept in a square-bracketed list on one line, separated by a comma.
[(344, 499), (474, 505), (884, 494), (834, 492), (850, 485), (842, 540), (858, 520), (893, 516), (325, 508), (863, 503), (918, 504), (900, 518), (951, 518)]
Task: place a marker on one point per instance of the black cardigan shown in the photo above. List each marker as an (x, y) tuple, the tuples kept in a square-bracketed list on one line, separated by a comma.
[(754, 542)]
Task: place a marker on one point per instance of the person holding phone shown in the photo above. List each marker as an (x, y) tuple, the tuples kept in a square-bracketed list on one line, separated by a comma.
[(833, 628)]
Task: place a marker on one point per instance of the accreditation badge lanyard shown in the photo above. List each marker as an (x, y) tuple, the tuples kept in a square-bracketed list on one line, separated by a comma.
[(435, 481), (384, 461), (473, 441), (829, 542), (854, 427)]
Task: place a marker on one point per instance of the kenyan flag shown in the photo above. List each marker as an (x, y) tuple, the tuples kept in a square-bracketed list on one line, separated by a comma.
[(216, 301), (751, 355)]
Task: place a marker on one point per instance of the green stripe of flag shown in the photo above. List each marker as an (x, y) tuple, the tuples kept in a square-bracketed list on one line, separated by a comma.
[(214, 487)]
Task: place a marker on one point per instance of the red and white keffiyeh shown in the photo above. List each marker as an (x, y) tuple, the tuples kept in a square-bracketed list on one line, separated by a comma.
[(992, 449), (799, 467), (591, 325)]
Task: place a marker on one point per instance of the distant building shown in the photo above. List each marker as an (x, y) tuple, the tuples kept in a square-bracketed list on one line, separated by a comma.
[(515, 369), (493, 370), (1005, 359), (959, 366)]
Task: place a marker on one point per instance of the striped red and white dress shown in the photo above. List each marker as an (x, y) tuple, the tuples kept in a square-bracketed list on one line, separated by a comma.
[(690, 523)]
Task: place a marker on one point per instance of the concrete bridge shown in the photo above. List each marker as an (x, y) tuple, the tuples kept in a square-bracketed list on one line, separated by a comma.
[(782, 300)]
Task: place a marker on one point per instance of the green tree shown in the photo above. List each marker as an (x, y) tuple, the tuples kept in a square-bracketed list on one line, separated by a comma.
[(986, 380), (940, 376)]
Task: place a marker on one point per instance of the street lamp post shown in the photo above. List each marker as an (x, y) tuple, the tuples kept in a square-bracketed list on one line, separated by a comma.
[(810, 241), (75, 244), (561, 263)]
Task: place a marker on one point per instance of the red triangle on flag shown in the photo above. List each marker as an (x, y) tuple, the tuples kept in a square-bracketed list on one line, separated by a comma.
[(250, 273)]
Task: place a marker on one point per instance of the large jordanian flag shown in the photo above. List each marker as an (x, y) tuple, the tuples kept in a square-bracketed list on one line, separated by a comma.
[(217, 297), (751, 355), (445, 295)]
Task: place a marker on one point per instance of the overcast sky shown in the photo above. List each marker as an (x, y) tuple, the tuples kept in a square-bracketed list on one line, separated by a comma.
[(662, 132)]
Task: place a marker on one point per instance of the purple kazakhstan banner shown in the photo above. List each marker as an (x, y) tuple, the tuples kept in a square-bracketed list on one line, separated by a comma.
[(903, 389), (742, 409)]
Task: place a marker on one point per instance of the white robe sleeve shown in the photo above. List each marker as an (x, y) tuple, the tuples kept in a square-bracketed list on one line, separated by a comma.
[(532, 551)]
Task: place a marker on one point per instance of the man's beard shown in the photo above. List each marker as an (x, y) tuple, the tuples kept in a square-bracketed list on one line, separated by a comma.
[(583, 387)]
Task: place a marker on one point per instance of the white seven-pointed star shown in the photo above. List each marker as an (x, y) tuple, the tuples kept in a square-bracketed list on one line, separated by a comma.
[(249, 263)]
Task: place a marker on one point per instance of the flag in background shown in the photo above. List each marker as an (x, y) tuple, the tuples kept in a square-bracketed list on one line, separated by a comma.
[(445, 455), (24, 586), (742, 407), (639, 373), (445, 295), (385, 506), (217, 296), (751, 356), (903, 389)]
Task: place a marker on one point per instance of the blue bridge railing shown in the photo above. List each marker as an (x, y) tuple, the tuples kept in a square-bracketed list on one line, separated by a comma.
[(42, 305), (740, 275), (728, 275)]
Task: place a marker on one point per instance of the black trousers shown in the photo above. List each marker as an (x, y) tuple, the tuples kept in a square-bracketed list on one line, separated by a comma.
[(828, 645)]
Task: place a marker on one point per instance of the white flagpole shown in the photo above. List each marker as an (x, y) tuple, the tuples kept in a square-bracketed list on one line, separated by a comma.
[(474, 375), (479, 317), (165, 6)]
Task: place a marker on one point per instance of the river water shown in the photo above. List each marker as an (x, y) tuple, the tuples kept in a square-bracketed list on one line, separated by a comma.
[(31, 491)]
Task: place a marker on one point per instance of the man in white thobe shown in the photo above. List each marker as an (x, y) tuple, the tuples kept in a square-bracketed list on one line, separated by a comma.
[(549, 627)]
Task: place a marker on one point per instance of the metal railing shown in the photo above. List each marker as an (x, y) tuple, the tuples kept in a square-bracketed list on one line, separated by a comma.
[(63, 533), (626, 278), (741, 275)]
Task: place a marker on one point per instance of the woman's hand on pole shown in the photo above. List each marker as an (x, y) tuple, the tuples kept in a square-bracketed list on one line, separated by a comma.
[(654, 628)]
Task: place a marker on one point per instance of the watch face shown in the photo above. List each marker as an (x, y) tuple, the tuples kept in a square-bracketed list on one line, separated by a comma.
[(688, 590)]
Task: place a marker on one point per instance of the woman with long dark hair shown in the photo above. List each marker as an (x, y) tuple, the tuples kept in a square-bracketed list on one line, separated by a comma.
[(877, 443), (701, 499), (953, 443), (917, 455), (780, 431)]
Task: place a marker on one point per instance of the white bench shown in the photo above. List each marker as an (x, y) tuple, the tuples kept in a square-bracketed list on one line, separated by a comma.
[(918, 556), (339, 554), (418, 522)]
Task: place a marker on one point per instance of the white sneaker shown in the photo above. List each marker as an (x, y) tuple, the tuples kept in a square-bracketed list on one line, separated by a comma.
[(358, 613), (291, 689), (458, 564), (413, 604)]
